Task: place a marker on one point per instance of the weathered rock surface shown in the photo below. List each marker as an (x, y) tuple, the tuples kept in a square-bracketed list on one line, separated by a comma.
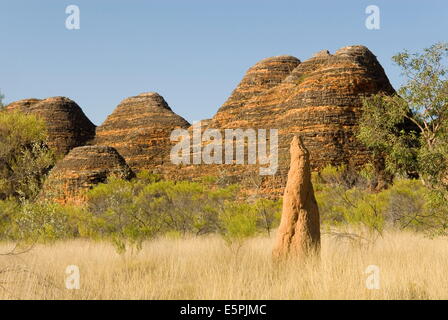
[(68, 127), (320, 99), (83, 168), (140, 129), (299, 232), (261, 77)]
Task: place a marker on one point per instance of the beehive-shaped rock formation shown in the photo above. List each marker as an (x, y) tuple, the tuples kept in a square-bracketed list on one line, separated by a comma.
[(140, 129), (261, 77), (68, 127), (320, 99), (80, 170)]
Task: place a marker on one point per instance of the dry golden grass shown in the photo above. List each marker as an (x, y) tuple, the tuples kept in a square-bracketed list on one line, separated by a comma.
[(411, 267)]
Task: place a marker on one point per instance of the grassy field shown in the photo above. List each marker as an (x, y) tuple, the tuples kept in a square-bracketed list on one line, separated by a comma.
[(411, 267)]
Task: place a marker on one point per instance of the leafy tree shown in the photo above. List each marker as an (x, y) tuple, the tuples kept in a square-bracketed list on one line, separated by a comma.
[(24, 157), (410, 129), (1, 100)]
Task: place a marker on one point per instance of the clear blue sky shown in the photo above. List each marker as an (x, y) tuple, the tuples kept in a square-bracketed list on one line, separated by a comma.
[(192, 52)]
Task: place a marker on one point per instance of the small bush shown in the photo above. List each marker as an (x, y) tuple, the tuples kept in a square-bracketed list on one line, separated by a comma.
[(44, 222), (239, 222), (268, 214)]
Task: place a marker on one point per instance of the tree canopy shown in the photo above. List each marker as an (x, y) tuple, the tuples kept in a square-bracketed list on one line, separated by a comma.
[(409, 130)]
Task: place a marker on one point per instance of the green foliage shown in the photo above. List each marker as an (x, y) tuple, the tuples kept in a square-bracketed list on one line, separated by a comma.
[(301, 78), (384, 130), (34, 222), (8, 209), (24, 156), (410, 130), (145, 177), (364, 209), (113, 213), (268, 213), (130, 211), (406, 204), (176, 206), (208, 180), (343, 176), (344, 198), (412, 205), (1, 100), (239, 221), (426, 88)]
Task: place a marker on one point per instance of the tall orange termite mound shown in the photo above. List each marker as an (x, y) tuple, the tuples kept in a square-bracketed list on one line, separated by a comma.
[(299, 231)]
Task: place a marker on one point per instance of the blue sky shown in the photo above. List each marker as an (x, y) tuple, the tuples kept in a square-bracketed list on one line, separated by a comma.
[(192, 52)]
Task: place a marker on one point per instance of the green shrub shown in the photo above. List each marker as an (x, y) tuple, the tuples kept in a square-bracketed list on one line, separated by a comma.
[(364, 209), (24, 157), (44, 222), (128, 212), (406, 204), (239, 222), (268, 214), (8, 209), (414, 206)]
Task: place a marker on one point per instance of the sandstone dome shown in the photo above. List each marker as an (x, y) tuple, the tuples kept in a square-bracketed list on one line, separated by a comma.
[(264, 75), (320, 99), (68, 127), (140, 129), (81, 169)]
